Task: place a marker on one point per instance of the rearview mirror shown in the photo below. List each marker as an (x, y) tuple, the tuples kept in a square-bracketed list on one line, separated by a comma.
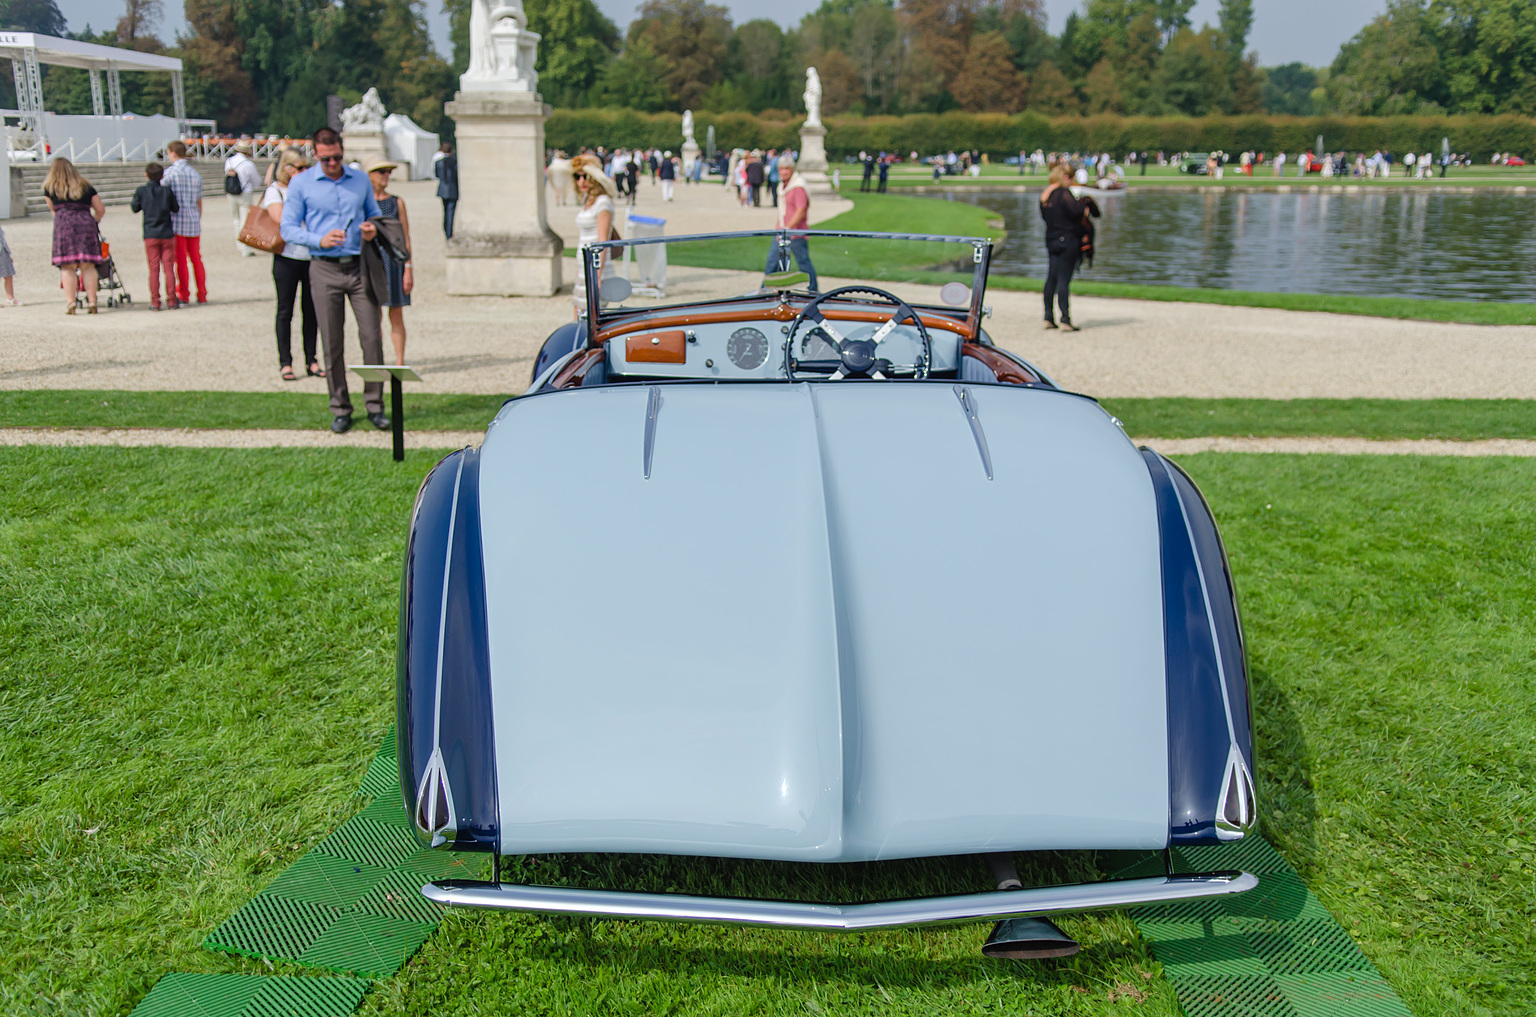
[(955, 294), (614, 290)]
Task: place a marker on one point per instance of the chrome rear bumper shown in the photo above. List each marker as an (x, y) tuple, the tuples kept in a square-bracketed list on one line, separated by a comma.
[(1034, 902)]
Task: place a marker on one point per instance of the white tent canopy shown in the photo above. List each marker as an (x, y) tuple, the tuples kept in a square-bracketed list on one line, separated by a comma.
[(28, 52)]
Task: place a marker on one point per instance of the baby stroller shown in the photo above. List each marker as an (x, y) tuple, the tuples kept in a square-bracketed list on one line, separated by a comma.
[(108, 282)]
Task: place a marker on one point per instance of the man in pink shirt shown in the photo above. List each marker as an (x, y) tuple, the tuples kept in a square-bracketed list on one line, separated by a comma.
[(795, 215)]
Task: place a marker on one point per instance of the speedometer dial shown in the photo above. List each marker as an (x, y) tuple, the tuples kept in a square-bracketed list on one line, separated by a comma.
[(747, 348)]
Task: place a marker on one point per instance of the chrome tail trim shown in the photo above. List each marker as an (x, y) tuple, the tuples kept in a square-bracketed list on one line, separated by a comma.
[(1236, 809), (1044, 900)]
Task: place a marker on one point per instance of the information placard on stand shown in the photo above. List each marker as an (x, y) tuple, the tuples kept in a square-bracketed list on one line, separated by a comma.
[(395, 375)]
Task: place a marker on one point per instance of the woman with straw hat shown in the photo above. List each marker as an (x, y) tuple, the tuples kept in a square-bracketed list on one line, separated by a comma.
[(594, 223), (401, 278)]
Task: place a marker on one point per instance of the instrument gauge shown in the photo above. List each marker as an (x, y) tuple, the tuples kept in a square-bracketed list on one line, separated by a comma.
[(747, 348)]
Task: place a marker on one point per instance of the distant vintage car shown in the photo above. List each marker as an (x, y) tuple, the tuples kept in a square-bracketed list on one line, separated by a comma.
[(1514, 160), (755, 571)]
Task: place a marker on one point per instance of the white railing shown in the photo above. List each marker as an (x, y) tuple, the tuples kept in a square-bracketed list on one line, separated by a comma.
[(106, 150), (223, 147)]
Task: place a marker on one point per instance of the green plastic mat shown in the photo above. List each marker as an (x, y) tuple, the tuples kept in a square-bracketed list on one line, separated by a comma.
[(1274, 951), (352, 903), (251, 996)]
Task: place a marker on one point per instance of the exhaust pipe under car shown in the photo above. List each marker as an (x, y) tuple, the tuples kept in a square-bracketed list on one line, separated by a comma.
[(1023, 938)]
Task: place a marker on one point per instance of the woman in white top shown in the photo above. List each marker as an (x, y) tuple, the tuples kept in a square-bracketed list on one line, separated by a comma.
[(594, 223), (290, 271)]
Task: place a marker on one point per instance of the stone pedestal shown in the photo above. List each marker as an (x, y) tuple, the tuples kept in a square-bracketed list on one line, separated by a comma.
[(812, 167), (502, 244), (690, 156), (364, 147)]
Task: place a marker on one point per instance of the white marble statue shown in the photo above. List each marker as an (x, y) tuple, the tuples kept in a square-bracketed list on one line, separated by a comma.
[(812, 98), (688, 127), (367, 115), (502, 51)]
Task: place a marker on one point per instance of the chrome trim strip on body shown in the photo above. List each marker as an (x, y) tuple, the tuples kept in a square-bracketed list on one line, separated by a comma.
[(1226, 829), (437, 770), (968, 404), (1036, 901), (652, 410)]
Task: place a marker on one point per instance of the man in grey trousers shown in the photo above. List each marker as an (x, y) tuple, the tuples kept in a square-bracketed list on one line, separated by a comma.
[(327, 211)]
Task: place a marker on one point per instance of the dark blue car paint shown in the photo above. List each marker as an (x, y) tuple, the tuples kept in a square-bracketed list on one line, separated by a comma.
[(561, 341), (1223, 602), (1198, 738), (466, 734)]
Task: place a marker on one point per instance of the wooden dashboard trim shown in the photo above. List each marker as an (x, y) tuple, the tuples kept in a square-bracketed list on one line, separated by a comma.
[(668, 347), (571, 374), (781, 312), (1008, 370)]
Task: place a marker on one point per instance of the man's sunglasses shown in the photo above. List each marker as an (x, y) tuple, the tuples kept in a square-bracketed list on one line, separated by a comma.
[(329, 158)]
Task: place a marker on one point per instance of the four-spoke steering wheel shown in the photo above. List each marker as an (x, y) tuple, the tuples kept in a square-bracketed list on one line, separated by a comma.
[(857, 358)]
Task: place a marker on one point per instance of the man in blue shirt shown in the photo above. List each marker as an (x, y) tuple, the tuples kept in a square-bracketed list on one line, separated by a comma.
[(327, 210)]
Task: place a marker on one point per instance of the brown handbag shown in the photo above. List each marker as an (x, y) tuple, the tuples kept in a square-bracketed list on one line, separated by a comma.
[(259, 231)]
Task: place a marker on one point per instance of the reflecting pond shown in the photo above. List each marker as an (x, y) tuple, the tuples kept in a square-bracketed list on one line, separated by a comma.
[(1476, 246)]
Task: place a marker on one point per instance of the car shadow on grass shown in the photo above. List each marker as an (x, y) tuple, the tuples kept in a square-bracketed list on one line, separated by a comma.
[(1287, 799)]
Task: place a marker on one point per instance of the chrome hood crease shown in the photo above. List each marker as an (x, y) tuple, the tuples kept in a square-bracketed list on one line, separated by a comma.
[(801, 622)]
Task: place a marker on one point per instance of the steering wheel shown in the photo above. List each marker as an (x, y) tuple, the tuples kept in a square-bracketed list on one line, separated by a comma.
[(857, 358)]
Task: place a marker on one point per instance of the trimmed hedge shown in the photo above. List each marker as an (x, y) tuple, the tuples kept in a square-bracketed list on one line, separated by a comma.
[(1001, 134)]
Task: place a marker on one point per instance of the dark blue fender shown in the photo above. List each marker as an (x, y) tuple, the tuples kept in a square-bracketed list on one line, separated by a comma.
[(560, 342), (446, 709), (1209, 706)]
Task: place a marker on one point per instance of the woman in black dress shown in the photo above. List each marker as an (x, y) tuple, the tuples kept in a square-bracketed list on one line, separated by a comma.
[(76, 209), (1063, 215), (401, 280)]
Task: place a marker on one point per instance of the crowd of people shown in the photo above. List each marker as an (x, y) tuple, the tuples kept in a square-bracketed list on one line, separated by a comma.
[(336, 235), (601, 178)]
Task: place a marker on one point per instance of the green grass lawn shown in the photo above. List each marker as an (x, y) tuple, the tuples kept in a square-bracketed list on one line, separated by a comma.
[(286, 410), (1460, 419), (1465, 312), (196, 661)]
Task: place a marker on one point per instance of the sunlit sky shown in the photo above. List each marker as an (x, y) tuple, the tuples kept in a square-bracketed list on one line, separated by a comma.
[(1283, 30)]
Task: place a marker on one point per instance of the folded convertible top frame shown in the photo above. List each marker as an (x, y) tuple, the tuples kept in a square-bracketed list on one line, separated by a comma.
[(1034, 902)]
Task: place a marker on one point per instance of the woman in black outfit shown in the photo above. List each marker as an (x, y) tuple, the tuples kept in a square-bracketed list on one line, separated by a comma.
[(290, 273), (1063, 215)]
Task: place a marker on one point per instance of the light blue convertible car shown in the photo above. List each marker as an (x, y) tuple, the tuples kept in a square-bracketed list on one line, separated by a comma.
[(758, 571)]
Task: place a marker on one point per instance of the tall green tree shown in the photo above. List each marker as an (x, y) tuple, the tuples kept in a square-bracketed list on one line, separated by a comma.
[(636, 79), (690, 38), (1235, 18), (1393, 66), (1487, 51), (578, 41), (40, 16), (1288, 89), (1192, 74)]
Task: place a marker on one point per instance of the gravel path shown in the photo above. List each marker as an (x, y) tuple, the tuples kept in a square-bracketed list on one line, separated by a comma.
[(135, 437), (487, 345)]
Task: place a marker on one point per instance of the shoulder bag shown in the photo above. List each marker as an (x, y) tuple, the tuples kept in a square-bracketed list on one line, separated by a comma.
[(260, 232)]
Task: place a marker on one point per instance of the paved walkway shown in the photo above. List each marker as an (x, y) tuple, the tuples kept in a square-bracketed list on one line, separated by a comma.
[(1126, 348)]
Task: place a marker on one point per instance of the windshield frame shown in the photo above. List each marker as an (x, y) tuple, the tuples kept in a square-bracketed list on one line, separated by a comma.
[(591, 267)]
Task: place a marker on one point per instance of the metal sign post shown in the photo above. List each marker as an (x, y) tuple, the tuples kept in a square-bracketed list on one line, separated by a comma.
[(396, 375)]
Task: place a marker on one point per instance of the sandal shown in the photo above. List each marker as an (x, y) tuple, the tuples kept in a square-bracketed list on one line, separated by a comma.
[(314, 370), (91, 309), (1067, 326), (288, 374)]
